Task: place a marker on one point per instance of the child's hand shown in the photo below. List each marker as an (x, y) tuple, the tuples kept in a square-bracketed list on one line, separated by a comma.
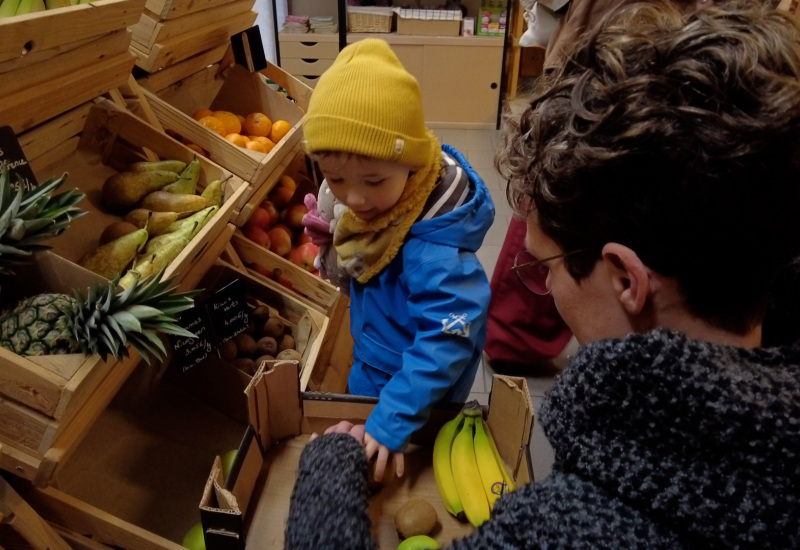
[(344, 427), (372, 447), (316, 225)]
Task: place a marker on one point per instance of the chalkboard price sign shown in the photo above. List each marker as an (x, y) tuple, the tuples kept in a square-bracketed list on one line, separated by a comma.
[(13, 158), (214, 321), (228, 311)]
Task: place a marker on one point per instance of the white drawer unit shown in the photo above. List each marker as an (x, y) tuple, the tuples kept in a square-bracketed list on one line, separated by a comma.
[(307, 56)]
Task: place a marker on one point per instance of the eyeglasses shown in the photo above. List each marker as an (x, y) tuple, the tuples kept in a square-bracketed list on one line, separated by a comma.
[(533, 272)]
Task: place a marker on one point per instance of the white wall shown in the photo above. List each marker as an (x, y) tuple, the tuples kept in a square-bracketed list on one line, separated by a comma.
[(265, 24)]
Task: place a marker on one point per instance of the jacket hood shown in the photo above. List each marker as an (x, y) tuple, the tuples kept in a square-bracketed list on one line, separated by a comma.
[(472, 219), (704, 437)]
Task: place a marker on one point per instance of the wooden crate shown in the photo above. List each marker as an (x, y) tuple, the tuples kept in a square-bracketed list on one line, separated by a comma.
[(54, 60), (237, 90), (93, 142)]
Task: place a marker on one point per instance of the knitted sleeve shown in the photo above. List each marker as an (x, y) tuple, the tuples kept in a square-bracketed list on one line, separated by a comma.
[(328, 509)]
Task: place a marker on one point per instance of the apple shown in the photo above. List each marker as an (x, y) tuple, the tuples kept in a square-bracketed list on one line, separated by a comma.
[(280, 240), (302, 238), (257, 235), (279, 278), (304, 255), (260, 218), (274, 214), (227, 462), (293, 216), (282, 193), (194, 539)]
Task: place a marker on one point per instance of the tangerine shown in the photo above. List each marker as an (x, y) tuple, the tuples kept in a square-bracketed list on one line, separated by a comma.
[(237, 139), (230, 120), (214, 124), (241, 120), (200, 113), (266, 142), (197, 149), (257, 124), (254, 145), (279, 129)]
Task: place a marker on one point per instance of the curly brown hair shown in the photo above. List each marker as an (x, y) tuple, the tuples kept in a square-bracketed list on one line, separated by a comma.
[(677, 136)]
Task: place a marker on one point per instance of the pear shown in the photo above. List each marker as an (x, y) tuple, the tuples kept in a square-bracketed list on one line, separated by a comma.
[(185, 231), (161, 201), (176, 166), (111, 258), (142, 267), (213, 192), (187, 182), (123, 190), (200, 218), (156, 223), (115, 230)]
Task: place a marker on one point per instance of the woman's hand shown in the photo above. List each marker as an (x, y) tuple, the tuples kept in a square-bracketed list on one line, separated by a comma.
[(382, 453)]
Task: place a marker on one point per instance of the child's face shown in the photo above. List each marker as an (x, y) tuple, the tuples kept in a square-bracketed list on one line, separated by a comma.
[(368, 187)]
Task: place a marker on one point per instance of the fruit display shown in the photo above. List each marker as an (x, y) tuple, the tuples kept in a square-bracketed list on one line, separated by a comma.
[(160, 213), (277, 225), (29, 217), (254, 131), (101, 322), (11, 8), (470, 474), (268, 337)]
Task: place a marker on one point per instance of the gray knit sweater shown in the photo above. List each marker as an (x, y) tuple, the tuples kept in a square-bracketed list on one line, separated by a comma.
[(659, 441)]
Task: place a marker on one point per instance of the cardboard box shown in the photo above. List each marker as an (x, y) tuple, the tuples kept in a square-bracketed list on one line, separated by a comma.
[(250, 508), (54, 60), (428, 27)]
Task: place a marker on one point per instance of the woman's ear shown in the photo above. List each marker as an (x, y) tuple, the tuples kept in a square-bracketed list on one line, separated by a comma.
[(629, 276)]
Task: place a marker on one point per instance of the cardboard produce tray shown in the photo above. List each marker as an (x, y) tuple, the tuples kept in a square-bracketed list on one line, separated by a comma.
[(250, 508), (240, 91), (54, 60), (96, 141)]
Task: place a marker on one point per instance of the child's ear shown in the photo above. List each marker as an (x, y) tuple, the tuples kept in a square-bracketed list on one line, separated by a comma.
[(629, 277)]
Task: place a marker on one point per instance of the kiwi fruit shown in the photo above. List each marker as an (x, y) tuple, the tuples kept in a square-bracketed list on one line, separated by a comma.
[(246, 344), (415, 517), (286, 342), (260, 314), (263, 358), (266, 345), (289, 355), (228, 350), (273, 327)]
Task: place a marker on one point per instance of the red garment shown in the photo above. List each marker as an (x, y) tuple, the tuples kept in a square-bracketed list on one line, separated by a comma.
[(523, 328)]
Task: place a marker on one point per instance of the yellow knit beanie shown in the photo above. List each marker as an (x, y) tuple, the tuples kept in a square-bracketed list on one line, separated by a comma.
[(367, 103)]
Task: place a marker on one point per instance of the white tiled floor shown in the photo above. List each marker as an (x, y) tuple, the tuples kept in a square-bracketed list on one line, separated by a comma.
[(479, 146)]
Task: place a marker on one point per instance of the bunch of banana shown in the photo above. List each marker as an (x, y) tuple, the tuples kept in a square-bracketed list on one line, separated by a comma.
[(10, 8), (469, 471)]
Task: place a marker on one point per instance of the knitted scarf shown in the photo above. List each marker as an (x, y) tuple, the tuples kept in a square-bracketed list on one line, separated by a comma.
[(365, 247)]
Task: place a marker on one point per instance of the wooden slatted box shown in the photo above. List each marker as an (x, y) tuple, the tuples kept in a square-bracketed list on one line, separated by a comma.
[(54, 60), (170, 31)]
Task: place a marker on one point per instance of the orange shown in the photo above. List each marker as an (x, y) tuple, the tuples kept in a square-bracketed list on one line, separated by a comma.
[(200, 113), (214, 124), (237, 139), (257, 124), (230, 120), (256, 146), (241, 120), (266, 142), (279, 129), (197, 149)]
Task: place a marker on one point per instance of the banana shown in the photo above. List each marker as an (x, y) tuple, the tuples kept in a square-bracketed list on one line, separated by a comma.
[(9, 8), (30, 6), (507, 479), (465, 470), (490, 471), (176, 166), (442, 468)]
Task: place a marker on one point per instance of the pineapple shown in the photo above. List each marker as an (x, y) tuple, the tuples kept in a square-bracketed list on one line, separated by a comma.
[(103, 322), (29, 217)]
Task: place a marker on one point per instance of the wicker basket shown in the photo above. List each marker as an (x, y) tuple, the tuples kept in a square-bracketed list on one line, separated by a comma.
[(369, 19)]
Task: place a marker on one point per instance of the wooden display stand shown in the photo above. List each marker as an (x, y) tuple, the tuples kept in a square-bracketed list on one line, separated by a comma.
[(25, 522)]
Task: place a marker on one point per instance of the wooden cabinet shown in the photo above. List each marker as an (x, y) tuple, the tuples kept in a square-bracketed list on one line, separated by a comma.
[(306, 56)]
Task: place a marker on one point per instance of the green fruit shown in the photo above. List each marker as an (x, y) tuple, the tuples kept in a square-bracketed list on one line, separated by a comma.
[(227, 462), (419, 542), (194, 539)]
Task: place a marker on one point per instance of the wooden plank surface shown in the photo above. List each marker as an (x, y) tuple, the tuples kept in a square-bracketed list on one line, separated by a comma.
[(24, 520)]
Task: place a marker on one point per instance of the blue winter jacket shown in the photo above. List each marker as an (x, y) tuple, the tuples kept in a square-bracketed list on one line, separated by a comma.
[(419, 326)]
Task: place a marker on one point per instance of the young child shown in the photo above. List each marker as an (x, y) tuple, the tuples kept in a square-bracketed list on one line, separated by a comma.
[(415, 214)]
